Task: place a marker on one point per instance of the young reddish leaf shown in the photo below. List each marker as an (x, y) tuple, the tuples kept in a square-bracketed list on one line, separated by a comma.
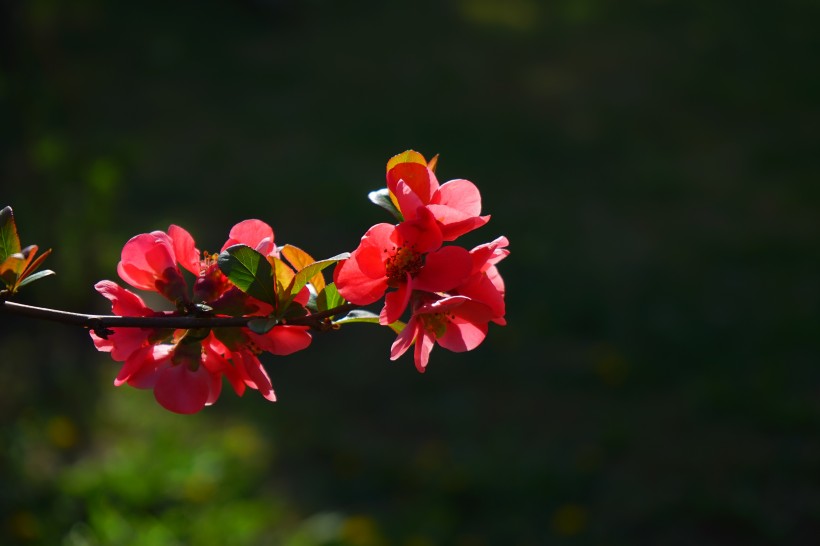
[(249, 271), (9, 240), (300, 259), (37, 262), (361, 315)]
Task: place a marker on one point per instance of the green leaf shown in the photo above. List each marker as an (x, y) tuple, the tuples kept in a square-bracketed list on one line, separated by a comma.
[(382, 198), (304, 275), (329, 298), (35, 276), (250, 271), (9, 240), (262, 325), (361, 315)]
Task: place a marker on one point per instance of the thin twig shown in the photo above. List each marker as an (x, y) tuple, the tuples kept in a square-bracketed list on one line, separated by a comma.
[(171, 320)]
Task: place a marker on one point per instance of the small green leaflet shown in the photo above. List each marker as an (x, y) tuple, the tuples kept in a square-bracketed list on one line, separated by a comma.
[(329, 298), (262, 325), (304, 275), (360, 315), (382, 198), (250, 271), (9, 240)]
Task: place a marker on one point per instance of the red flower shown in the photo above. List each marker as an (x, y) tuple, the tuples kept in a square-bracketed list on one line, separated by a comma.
[(485, 284), (149, 262), (406, 257), (184, 375), (457, 323), (183, 368), (456, 205)]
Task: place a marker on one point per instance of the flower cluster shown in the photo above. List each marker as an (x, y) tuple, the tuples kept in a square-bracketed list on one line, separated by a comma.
[(452, 293), (184, 367)]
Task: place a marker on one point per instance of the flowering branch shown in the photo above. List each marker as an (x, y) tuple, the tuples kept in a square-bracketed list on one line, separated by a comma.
[(101, 324), (255, 296)]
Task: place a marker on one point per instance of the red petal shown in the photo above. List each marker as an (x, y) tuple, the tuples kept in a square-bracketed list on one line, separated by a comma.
[(253, 233), (409, 201), (181, 390), (144, 258), (396, 302), (123, 302), (421, 354), (461, 195), (444, 269), (185, 249), (422, 233), (259, 379), (404, 340), (463, 335), (283, 340), (420, 178)]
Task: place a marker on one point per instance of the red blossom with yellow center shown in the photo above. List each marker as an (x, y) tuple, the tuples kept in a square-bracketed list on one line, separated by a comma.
[(407, 257)]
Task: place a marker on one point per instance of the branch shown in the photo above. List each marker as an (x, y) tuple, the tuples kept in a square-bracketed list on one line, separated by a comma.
[(101, 323)]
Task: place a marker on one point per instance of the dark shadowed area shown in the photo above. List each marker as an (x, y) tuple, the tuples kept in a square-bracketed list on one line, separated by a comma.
[(654, 165)]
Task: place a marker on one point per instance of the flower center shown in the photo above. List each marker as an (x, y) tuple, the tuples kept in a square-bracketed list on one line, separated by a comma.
[(435, 323), (405, 260)]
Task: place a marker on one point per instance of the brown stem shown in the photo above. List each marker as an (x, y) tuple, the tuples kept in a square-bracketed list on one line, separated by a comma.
[(101, 323)]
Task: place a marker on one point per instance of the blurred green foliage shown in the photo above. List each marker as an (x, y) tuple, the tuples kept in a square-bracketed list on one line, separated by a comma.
[(653, 164)]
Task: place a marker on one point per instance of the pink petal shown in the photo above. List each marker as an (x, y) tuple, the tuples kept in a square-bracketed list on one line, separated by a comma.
[(216, 363), (144, 258), (420, 178), (215, 389), (482, 289), (181, 390), (489, 253), (140, 367), (259, 379), (357, 286), (463, 335), (253, 233), (444, 269), (283, 340), (409, 202), (396, 302), (123, 302), (185, 249), (405, 339), (454, 230), (421, 353), (124, 341), (422, 233), (461, 195)]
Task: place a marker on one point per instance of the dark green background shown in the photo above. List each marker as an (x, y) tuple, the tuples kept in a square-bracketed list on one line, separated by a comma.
[(654, 165)]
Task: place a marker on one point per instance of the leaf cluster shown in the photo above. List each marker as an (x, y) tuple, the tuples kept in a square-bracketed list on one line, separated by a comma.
[(18, 264)]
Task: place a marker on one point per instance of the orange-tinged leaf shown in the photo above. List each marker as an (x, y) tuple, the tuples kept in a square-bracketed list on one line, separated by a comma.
[(283, 277), (433, 163), (300, 259), (409, 156), (15, 264), (33, 265)]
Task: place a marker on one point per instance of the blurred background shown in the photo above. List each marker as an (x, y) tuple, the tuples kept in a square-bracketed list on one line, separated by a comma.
[(653, 163)]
